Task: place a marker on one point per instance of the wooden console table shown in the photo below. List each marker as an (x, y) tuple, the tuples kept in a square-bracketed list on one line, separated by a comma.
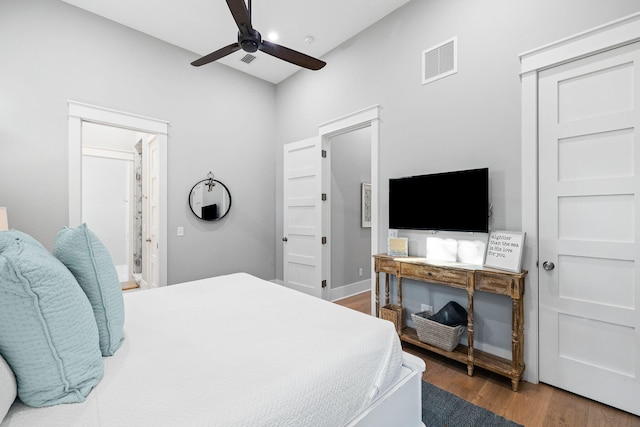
[(470, 279)]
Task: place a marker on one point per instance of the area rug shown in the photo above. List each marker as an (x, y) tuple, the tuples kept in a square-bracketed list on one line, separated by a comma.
[(443, 409)]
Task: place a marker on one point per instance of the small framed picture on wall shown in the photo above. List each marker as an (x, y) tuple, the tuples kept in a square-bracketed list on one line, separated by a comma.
[(365, 195)]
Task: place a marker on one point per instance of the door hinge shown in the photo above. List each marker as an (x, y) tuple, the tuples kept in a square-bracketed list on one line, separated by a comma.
[(324, 283), (324, 154), (324, 197), (324, 240)]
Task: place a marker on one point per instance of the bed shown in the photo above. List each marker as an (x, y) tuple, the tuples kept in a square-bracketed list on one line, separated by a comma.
[(236, 350)]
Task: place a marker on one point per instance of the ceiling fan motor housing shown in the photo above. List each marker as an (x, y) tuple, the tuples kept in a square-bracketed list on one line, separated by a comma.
[(249, 40)]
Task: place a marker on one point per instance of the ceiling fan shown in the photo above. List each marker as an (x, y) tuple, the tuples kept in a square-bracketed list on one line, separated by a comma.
[(250, 41)]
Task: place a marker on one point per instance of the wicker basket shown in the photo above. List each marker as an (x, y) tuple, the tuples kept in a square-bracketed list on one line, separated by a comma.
[(395, 314), (437, 334)]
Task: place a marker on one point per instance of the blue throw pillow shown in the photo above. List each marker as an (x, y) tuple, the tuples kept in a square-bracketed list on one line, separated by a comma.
[(90, 262), (48, 335)]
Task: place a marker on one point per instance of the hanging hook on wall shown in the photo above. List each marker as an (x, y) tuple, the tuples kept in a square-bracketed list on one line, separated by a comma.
[(211, 204), (211, 182)]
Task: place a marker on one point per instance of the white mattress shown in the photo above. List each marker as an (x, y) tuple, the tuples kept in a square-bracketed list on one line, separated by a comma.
[(234, 350)]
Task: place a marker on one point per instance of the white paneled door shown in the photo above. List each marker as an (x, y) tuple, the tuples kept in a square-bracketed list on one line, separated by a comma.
[(303, 216), (151, 188), (589, 233)]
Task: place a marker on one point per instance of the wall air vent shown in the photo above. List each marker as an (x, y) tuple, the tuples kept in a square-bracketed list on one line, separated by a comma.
[(248, 58), (440, 61)]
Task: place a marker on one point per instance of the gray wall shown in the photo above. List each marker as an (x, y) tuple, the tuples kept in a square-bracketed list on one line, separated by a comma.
[(468, 120), (350, 243), (53, 52)]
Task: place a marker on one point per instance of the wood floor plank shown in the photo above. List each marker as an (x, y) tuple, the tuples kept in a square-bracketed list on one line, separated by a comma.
[(565, 410), (127, 286), (493, 396), (436, 373), (359, 302), (534, 405), (465, 386), (600, 415), (528, 406)]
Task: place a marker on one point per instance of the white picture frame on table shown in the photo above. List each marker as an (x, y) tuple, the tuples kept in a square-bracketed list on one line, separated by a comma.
[(398, 246), (504, 250)]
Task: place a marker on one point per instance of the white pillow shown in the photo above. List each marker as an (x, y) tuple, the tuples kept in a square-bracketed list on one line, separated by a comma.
[(440, 249), (8, 388), (471, 252)]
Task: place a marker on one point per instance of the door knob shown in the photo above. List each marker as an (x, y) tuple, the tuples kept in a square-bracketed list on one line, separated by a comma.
[(284, 239), (548, 265)]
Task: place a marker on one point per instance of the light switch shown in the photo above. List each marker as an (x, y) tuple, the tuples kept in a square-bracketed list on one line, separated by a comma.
[(180, 231)]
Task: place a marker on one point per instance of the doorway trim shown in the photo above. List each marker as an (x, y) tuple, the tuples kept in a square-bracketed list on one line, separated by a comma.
[(367, 117), (79, 112), (604, 37)]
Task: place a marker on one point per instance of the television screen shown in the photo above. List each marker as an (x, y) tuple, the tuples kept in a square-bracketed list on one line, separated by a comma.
[(452, 201)]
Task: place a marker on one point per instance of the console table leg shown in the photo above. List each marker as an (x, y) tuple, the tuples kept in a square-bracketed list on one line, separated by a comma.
[(377, 294), (517, 340), (386, 288), (470, 323)]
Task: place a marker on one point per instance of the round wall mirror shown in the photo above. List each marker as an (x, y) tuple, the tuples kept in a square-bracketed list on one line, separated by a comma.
[(210, 199)]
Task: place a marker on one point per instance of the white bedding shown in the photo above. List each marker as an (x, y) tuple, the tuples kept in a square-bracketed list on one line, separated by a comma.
[(234, 350)]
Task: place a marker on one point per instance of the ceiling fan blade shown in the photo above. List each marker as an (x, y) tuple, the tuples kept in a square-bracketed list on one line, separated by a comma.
[(291, 55), (214, 56), (240, 14)]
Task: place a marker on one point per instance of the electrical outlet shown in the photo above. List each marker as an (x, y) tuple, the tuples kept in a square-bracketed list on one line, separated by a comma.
[(180, 231), (393, 234), (360, 272), (426, 307)]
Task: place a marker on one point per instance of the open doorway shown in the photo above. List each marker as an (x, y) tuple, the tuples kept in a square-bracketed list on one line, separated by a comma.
[(366, 119), (115, 184), (150, 133), (350, 157)]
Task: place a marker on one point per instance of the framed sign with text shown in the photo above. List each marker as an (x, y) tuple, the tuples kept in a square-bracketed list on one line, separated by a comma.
[(504, 250)]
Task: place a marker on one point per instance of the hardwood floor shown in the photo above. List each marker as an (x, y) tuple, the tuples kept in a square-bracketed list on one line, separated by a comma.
[(127, 286), (533, 405)]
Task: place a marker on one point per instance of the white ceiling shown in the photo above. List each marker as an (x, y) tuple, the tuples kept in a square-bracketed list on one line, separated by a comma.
[(203, 26)]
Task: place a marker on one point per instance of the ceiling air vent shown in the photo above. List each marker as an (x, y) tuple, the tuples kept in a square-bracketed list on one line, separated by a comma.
[(440, 61), (248, 58)]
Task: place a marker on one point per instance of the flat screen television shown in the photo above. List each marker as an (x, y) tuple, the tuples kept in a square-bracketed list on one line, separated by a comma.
[(451, 201)]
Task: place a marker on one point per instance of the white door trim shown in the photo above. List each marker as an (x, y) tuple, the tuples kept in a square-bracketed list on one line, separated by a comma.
[(608, 36), (79, 112), (367, 117)]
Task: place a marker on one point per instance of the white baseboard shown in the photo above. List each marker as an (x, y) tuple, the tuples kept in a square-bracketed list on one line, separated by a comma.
[(350, 290), (343, 291)]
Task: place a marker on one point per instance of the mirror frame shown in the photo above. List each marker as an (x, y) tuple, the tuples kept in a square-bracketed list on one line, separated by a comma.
[(223, 186)]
